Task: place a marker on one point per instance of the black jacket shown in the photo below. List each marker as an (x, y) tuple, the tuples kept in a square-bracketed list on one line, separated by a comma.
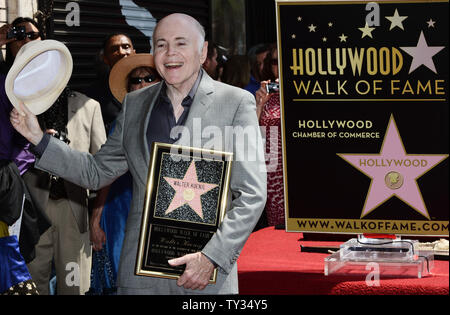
[(12, 191)]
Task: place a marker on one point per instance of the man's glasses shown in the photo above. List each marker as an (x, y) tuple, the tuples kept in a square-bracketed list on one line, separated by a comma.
[(138, 80)]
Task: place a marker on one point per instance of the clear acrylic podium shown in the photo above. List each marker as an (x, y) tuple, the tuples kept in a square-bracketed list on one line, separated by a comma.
[(391, 257)]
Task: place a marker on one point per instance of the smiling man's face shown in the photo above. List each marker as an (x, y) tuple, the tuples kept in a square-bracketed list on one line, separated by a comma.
[(179, 51)]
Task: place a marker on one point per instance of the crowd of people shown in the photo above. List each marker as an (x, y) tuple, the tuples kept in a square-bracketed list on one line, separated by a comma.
[(91, 218)]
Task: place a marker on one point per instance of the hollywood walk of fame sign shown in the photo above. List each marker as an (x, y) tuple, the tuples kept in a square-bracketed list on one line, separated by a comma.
[(365, 116), (186, 200)]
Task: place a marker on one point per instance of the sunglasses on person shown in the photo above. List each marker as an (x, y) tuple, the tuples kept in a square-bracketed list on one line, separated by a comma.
[(30, 35), (138, 80)]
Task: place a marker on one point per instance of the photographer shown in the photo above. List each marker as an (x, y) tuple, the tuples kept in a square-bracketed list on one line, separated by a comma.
[(269, 115), (269, 74), (21, 31)]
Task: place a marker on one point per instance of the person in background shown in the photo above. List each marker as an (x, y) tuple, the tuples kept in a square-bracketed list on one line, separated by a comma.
[(211, 63), (269, 114), (18, 210), (76, 120), (115, 47), (236, 71), (269, 71), (215, 61), (62, 204), (108, 219), (256, 54), (13, 45)]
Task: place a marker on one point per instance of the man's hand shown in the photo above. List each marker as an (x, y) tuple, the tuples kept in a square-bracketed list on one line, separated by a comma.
[(198, 272), (26, 123), (97, 236)]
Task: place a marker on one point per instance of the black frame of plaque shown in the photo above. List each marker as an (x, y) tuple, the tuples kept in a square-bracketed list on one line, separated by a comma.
[(152, 255)]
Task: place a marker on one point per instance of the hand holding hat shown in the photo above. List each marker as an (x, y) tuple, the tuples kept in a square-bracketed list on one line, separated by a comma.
[(26, 123)]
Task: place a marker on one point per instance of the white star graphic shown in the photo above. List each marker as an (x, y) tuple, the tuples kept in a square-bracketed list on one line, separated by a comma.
[(422, 54), (396, 20), (312, 28), (343, 38), (431, 23), (366, 31)]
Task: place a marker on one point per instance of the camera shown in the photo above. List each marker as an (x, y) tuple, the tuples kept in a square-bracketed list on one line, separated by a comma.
[(17, 32), (272, 88)]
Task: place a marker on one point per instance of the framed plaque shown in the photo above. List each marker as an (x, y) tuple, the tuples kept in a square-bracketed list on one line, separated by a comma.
[(184, 205)]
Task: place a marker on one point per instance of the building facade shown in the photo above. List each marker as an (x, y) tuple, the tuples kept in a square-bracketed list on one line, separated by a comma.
[(83, 24)]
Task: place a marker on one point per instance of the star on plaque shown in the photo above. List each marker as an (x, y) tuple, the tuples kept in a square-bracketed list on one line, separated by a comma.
[(396, 20), (312, 28), (422, 54), (188, 191), (366, 31), (394, 172)]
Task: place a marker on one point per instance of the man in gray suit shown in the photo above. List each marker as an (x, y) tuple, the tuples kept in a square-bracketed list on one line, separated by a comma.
[(171, 112)]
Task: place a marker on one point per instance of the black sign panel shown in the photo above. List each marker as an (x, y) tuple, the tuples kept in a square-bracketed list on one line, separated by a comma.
[(364, 95)]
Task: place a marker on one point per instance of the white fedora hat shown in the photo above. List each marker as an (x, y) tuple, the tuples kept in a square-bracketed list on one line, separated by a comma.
[(40, 72)]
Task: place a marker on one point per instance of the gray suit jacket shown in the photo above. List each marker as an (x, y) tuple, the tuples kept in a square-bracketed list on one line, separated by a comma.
[(215, 104)]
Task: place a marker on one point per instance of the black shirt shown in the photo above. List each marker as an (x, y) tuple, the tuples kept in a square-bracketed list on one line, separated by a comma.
[(162, 119)]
